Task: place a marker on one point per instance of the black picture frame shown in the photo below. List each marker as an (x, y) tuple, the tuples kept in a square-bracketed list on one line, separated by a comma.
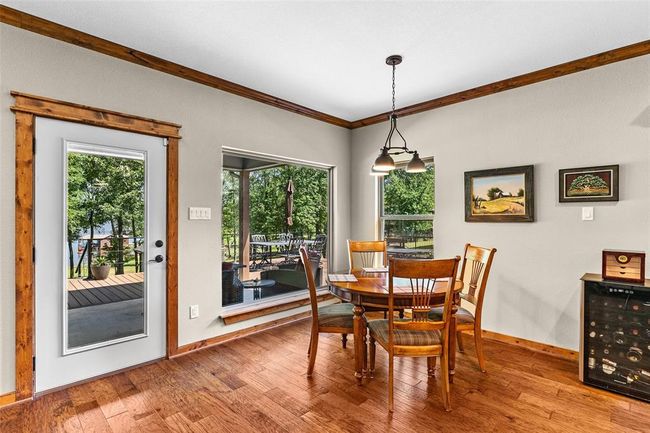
[(609, 174), (473, 202)]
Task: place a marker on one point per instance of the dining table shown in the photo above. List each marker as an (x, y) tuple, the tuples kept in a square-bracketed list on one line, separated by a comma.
[(267, 251), (371, 290)]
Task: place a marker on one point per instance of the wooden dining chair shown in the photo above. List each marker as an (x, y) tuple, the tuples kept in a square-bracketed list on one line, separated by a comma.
[(474, 272), (418, 335), (369, 254), (333, 318)]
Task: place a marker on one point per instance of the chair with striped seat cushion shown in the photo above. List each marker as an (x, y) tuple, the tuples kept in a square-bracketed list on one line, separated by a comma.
[(463, 316), (418, 335), (403, 337), (336, 315), (333, 319), (474, 272)]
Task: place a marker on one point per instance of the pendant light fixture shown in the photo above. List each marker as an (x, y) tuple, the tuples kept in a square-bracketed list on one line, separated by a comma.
[(384, 162)]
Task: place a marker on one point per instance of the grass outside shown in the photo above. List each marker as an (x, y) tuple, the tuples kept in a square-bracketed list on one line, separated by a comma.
[(421, 244), (129, 268), (504, 205)]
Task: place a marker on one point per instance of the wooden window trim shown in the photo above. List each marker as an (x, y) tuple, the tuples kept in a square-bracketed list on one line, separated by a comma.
[(240, 314), (26, 108)]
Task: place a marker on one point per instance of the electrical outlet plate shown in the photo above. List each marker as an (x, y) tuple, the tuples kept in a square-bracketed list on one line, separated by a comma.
[(588, 213), (200, 213), (194, 311)]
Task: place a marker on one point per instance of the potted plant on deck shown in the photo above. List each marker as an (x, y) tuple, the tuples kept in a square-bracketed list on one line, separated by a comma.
[(100, 268)]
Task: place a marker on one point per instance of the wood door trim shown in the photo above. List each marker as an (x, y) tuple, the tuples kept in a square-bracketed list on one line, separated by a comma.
[(172, 246), (24, 273), (53, 30), (589, 62), (26, 109), (62, 33), (52, 108)]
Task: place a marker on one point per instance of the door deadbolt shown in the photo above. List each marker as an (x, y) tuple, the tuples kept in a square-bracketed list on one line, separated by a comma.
[(159, 243)]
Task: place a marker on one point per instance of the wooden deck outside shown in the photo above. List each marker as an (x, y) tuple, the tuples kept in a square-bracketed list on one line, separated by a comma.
[(116, 288)]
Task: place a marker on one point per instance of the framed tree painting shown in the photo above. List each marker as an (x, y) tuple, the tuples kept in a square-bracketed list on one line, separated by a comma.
[(500, 195), (589, 184)]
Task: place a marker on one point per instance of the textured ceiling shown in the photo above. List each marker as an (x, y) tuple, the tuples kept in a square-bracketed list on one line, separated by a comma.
[(329, 56)]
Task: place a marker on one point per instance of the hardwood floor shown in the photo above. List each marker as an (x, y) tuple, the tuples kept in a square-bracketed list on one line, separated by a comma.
[(259, 383)]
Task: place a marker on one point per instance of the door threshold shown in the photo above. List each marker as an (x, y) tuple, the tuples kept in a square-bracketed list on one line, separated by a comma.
[(94, 378)]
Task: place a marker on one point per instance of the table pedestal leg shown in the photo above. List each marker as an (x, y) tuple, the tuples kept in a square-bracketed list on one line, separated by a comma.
[(359, 343)]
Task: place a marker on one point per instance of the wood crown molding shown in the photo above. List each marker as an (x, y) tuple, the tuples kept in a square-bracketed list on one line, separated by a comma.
[(50, 29), (589, 62), (53, 30)]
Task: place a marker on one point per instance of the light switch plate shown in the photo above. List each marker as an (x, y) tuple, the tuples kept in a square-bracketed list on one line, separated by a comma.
[(200, 213), (588, 213), (194, 311)]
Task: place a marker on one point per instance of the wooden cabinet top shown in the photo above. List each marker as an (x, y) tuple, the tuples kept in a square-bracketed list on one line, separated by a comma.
[(598, 278)]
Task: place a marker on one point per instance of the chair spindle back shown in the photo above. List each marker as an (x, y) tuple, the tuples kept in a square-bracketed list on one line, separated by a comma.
[(364, 254), (423, 276), (474, 272)]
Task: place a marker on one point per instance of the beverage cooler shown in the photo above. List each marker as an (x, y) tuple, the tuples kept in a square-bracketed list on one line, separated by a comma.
[(615, 344)]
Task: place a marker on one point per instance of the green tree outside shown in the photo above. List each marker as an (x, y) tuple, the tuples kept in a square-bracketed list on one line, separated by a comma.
[(104, 190), (268, 192)]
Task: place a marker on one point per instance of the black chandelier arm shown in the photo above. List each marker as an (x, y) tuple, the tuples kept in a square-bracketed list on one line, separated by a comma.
[(387, 144), (400, 151), (384, 162), (401, 136)]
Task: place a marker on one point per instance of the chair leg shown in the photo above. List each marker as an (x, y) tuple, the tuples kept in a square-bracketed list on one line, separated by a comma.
[(391, 406), (371, 370), (459, 338), (444, 385), (431, 365), (478, 339), (344, 340), (312, 354), (309, 347)]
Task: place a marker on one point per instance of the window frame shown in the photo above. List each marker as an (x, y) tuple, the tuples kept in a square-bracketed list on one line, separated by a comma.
[(262, 307), (382, 217)]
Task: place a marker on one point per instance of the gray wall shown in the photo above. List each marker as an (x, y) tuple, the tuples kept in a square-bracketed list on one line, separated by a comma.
[(596, 117), (210, 118)]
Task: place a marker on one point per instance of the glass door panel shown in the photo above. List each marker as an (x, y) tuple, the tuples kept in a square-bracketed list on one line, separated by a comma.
[(105, 286)]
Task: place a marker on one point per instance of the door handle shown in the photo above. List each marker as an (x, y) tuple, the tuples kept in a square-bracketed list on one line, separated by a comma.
[(159, 258)]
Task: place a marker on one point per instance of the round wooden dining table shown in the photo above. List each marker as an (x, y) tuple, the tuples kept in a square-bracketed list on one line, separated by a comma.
[(371, 290)]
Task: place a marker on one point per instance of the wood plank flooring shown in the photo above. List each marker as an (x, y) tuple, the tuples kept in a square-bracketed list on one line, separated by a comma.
[(258, 384)]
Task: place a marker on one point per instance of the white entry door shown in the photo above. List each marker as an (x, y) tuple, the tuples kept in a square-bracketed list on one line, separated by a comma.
[(100, 226)]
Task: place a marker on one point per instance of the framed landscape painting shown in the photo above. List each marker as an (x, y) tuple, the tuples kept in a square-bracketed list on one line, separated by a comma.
[(500, 195), (589, 184)]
